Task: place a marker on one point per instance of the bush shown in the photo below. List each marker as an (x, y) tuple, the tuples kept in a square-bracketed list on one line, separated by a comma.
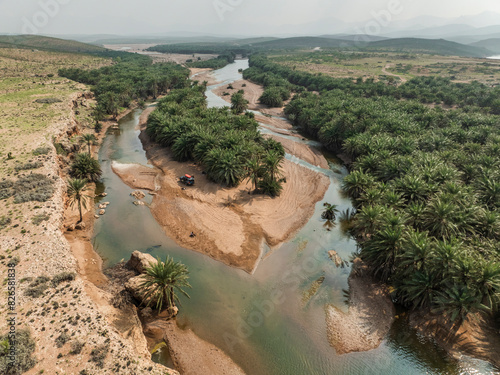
[(4, 221), (48, 100), (6, 190), (33, 187), (37, 219), (25, 346), (63, 276), (98, 355), (62, 339), (41, 151), (27, 166), (76, 347), (37, 288)]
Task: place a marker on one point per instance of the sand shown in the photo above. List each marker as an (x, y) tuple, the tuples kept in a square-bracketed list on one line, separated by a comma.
[(371, 314), (201, 357), (230, 224)]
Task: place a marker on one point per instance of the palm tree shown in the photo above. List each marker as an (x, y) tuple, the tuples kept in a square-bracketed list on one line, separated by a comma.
[(487, 282), (88, 139), (330, 211), (357, 182), (418, 289), (457, 301), (273, 163), (417, 252), (86, 167), (254, 172), (162, 282), (368, 219), (76, 194), (238, 102)]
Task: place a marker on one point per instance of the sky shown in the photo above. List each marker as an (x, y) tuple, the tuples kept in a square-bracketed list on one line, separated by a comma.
[(228, 17)]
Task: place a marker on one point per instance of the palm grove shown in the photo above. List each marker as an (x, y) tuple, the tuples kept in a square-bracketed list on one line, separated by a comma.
[(424, 180)]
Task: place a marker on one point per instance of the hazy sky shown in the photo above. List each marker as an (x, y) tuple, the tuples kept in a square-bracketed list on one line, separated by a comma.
[(244, 17)]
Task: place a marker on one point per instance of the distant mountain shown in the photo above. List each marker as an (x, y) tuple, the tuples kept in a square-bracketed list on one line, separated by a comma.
[(437, 46), (355, 37), (308, 42), (492, 44), (47, 44)]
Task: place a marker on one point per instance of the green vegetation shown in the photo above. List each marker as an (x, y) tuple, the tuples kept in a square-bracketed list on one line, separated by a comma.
[(25, 347), (132, 77), (47, 44), (437, 46), (77, 189), (89, 139), (85, 167), (220, 62), (163, 281), (220, 140), (426, 187), (32, 187), (425, 89), (238, 102)]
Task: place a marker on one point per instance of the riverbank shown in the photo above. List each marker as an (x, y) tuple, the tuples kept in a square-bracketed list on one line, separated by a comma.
[(230, 225)]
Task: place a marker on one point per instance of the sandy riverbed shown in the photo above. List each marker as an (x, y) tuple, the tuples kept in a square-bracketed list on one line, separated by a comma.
[(230, 224)]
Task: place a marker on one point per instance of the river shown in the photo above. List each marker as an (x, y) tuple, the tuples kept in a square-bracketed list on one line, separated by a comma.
[(260, 320)]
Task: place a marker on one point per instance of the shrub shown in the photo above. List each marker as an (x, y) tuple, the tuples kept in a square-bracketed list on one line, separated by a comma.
[(33, 187), (76, 347), (63, 276), (62, 339), (6, 189), (98, 355), (37, 219), (37, 287), (41, 151), (4, 221), (48, 100), (27, 166), (25, 346)]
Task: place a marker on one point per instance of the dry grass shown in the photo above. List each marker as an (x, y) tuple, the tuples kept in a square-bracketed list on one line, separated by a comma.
[(372, 65)]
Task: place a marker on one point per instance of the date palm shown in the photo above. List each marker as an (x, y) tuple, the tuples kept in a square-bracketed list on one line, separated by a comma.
[(76, 190), (86, 167), (457, 302), (163, 281), (89, 139)]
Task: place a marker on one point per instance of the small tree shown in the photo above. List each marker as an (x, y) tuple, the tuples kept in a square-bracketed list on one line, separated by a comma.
[(162, 282), (330, 212), (89, 139), (77, 189), (86, 167), (238, 102)]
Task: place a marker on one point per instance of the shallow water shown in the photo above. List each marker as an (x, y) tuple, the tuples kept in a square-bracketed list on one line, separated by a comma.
[(262, 320)]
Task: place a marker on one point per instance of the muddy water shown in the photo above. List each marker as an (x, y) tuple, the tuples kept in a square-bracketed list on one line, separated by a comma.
[(263, 321)]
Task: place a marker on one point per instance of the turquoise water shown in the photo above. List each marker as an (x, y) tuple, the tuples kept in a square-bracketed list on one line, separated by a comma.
[(260, 320)]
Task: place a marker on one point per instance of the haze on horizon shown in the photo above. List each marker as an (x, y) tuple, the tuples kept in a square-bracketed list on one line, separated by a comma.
[(234, 17)]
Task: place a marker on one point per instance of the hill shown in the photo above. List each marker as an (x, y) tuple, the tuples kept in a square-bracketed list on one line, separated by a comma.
[(47, 44), (492, 44), (434, 46)]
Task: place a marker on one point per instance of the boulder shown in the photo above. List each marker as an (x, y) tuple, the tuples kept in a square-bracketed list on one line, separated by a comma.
[(133, 286), (139, 261), (104, 194), (80, 226), (97, 216), (70, 228), (336, 258), (138, 194), (139, 203), (102, 212)]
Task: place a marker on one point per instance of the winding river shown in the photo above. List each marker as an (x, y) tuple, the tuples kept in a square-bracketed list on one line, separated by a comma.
[(262, 320)]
